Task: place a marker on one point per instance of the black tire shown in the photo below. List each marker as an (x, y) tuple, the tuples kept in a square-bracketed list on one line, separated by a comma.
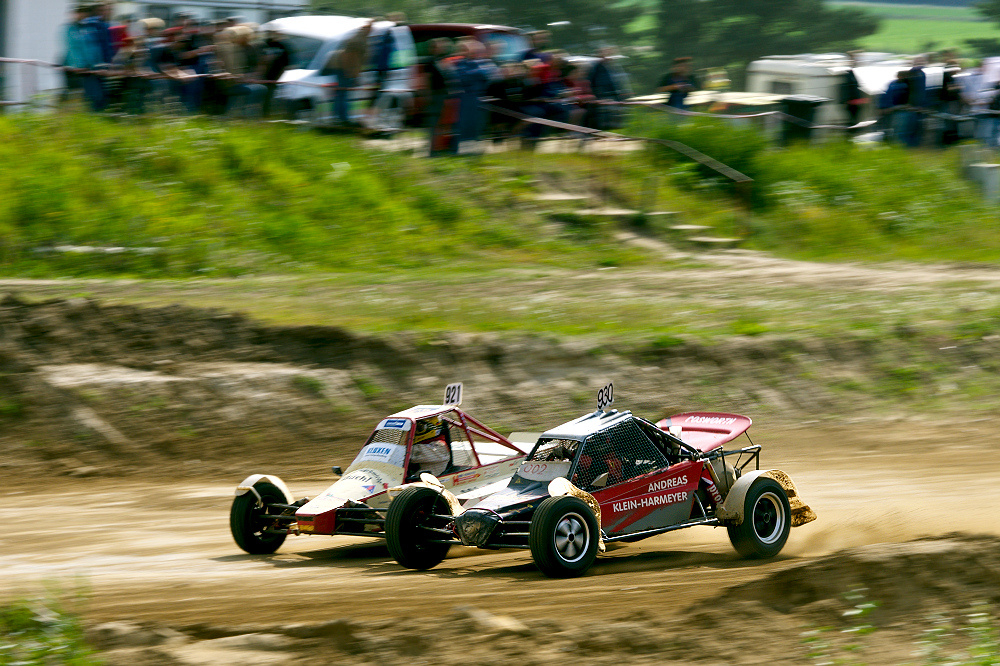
[(408, 543), (766, 521), (246, 524), (563, 537)]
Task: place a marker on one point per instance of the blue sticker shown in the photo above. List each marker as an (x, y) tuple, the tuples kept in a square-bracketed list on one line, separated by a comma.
[(399, 424)]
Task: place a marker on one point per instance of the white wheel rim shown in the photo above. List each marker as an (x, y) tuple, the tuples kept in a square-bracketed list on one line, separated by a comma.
[(768, 518), (572, 537)]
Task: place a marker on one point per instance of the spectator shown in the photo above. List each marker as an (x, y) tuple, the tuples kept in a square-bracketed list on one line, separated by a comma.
[(605, 84), (950, 97), (540, 40), (578, 93), (239, 60), (84, 54), (473, 73), (174, 61), (129, 65), (892, 103), (911, 118), (346, 64), (440, 86), (541, 98), (507, 92), (382, 60), (276, 56), (851, 95), (678, 82), (99, 16), (119, 31)]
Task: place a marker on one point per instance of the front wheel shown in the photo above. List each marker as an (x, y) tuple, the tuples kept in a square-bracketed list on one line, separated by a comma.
[(766, 521), (563, 537), (410, 526), (247, 525)]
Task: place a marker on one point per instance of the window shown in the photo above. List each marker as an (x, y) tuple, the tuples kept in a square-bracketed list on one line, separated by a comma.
[(781, 88), (303, 50), (462, 456), (554, 449), (505, 47)]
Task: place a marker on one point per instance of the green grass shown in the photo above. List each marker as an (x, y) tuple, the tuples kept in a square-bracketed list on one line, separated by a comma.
[(838, 201), (39, 633), (229, 199), (894, 11), (917, 35)]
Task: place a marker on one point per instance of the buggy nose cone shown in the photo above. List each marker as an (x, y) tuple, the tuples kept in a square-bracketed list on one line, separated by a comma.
[(475, 526)]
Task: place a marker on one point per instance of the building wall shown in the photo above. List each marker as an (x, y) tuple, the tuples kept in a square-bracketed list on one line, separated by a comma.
[(34, 31)]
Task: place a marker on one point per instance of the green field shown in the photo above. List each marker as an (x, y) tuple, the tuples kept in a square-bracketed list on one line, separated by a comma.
[(919, 28), (917, 35), (894, 11)]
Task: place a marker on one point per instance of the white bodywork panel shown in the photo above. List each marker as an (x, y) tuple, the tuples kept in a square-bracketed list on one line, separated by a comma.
[(249, 482)]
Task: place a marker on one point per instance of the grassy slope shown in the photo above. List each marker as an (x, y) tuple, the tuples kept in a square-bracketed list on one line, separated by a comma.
[(841, 202), (228, 199)]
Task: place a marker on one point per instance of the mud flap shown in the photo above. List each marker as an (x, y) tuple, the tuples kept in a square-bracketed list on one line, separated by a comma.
[(562, 486), (801, 513), (731, 510)]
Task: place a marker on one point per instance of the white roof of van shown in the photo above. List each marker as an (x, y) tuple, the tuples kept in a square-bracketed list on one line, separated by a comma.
[(317, 27)]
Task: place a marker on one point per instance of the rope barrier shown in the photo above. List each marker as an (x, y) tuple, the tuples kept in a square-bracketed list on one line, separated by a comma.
[(681, 148)]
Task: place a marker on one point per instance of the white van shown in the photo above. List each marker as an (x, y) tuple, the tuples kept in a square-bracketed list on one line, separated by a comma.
[(311, 40)]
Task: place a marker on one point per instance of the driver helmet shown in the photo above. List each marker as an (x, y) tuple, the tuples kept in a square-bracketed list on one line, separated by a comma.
[(428, 429)]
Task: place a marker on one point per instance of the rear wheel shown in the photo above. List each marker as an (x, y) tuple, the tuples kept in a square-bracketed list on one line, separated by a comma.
[(409, 524), (248, 526), (563, 537), (766, 521)]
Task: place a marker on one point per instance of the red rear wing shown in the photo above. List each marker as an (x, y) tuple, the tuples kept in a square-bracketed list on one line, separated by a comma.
[(707, 431)]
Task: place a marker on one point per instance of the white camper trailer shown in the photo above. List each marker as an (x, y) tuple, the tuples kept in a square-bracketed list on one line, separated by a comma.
[(822, 75)]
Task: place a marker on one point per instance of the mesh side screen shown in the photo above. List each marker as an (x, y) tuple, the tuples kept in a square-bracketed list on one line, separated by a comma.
[(624, 452), (388, 436)]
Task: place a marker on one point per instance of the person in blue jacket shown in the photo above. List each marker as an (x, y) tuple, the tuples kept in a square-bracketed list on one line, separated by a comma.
[(84, 55), (473, 73)]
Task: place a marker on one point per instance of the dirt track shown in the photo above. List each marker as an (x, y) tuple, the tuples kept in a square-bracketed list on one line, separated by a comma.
[(162, 413), (161, 551)]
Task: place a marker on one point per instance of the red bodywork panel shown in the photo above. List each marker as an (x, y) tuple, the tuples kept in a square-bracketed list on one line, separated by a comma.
[(707, 431), (650, 501)]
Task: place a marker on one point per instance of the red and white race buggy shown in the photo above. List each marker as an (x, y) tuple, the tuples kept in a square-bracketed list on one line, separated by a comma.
[(465, 456), (608, 476)]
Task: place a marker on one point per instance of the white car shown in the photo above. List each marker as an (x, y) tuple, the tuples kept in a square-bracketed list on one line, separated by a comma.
[(306, 86)]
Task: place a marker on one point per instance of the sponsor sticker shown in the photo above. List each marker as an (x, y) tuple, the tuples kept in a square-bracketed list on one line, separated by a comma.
[(651, 500), (711, 420), (396, 424), (466, 477), (666, 484)]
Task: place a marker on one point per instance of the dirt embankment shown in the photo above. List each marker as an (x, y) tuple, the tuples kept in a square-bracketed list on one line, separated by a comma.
[(900, 603), (93, 389)]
